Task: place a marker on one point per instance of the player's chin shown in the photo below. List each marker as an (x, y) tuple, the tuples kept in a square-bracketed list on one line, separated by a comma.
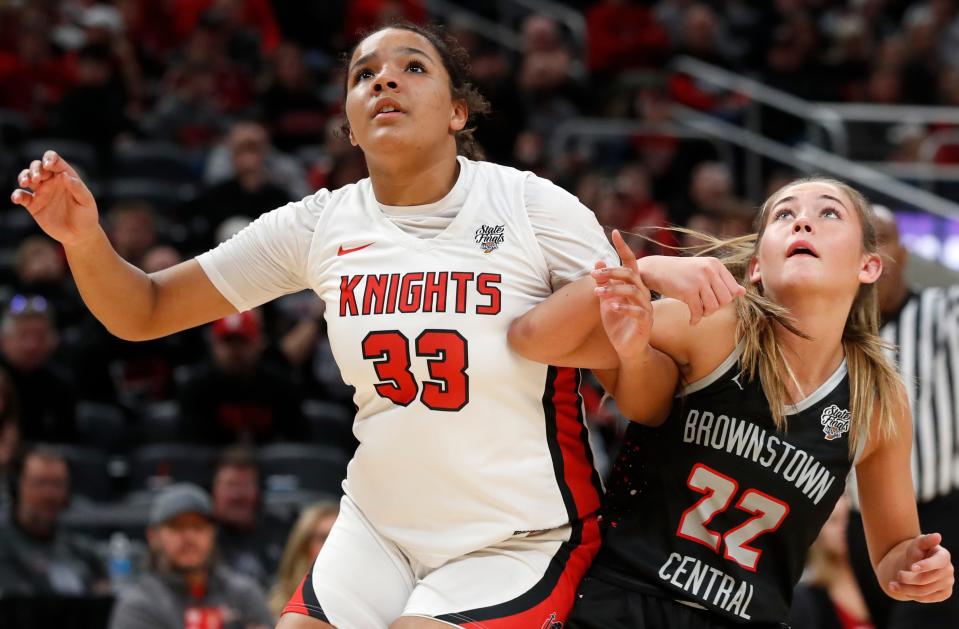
[(391, 139)]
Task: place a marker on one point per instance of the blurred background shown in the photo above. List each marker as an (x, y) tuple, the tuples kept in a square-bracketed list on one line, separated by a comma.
[(189, 118)]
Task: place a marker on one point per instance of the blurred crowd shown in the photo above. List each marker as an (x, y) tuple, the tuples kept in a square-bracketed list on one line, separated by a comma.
[(189, 118)]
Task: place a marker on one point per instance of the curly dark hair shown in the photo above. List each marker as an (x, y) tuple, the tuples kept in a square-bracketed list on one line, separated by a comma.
[(457, 64)]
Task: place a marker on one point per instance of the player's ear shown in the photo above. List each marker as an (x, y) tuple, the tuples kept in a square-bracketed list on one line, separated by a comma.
[(755, 276)]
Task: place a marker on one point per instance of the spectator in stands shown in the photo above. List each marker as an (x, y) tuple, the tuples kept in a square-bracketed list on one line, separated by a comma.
[(185, 587), (187, 111), (647, 218), (33, 75), (9, 438), (252, 20), (41, 270), (548, 91), (304, 544), (624, 36), (28, 338), (131, 227), (238, 396), (37, 558), (250, 538), (365, 15), (710, 192), (922, 326), (94, 109), (830, 598), (248, 192), (291, 103), (161, 257)]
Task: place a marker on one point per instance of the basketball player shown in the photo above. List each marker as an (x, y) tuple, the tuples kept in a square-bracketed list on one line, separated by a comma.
[(471, 499), (718, 493)]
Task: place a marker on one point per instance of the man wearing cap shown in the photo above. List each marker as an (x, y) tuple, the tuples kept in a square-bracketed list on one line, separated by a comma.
[(185, 588), (238, 397)]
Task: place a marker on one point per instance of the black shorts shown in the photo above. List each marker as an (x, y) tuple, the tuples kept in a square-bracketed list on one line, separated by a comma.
[(603, 605)]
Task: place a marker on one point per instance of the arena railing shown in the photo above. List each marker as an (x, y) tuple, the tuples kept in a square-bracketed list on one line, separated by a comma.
[(821, 121), (493, 31), (809, 158), (594, 129)]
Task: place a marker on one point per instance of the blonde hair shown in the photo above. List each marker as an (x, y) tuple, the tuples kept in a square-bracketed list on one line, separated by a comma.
[(296, 560), (874, 385)]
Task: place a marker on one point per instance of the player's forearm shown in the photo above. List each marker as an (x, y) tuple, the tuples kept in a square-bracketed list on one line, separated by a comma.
[(645, 386), (558, 326), (119, 295)]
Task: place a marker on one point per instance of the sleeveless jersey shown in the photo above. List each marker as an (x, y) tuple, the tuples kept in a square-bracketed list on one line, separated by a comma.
[(462, 443), (715, 507)]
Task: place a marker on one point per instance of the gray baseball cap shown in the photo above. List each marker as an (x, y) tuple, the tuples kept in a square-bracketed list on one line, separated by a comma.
[(178, 499)]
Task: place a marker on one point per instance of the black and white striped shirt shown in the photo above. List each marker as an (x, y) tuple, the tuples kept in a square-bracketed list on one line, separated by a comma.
[(925, 333)]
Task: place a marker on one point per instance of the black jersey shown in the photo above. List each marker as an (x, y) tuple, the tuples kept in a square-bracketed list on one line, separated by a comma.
[(716, 507)]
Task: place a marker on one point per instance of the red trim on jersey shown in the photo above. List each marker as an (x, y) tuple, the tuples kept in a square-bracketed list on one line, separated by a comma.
[(295, 603), (578, 469), (306, 605), (552, 611)]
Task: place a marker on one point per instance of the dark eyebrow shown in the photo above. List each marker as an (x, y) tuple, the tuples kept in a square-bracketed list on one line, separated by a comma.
[(416, 51), (408, 50)]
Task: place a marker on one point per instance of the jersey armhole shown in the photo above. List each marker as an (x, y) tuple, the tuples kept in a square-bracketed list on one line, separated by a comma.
[(715, 374)]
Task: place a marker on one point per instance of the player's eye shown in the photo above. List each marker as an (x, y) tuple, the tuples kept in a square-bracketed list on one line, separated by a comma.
[(361, 74)]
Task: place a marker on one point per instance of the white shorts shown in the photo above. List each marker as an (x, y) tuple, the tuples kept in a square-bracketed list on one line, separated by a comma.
[(363, 581)]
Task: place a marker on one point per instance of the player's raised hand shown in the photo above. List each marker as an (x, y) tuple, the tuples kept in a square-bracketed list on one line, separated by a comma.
[(625, 305), (703, 284), (928, 575), (57, 199)]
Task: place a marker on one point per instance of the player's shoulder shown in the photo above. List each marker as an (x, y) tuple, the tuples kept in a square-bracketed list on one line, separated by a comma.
[(698, 349), (530, 181)]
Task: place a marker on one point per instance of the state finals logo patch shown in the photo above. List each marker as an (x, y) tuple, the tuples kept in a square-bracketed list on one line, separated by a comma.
[(490, 238), (835, 422)]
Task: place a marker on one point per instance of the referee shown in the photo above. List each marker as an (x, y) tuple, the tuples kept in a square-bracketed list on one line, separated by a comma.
[(923, 326)]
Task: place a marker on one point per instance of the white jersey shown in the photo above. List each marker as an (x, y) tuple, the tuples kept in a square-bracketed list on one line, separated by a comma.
[(462, 442)]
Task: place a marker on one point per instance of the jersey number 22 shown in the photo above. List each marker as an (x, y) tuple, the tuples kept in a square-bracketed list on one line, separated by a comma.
[(718, 491)]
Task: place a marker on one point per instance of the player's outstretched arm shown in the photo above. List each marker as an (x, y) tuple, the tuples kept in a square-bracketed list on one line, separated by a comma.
[(909, 565), (130, 303), (565, 329)]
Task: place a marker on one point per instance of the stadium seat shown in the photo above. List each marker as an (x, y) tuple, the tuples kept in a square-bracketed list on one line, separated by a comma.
[(89, 472), (161, 194), (101, 425), (156, 465), (154, 160), (329, 424), (302, 467), (81, 155), (160, 422), (14, 127)]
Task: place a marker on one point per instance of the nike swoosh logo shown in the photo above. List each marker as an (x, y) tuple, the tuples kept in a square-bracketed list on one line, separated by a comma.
[(343, 252)]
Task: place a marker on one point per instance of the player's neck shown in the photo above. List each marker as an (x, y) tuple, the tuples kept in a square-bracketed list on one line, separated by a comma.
[(412, 182), (812, 360)]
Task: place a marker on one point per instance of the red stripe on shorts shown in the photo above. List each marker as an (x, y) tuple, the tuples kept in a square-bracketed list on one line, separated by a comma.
[(551, 612)]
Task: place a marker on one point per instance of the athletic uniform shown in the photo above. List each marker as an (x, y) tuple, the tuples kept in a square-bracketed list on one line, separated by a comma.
[(709, 516), (472, 494)]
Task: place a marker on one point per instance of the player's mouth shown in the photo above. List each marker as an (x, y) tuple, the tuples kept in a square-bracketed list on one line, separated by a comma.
[(387, 108), (801, 248)]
